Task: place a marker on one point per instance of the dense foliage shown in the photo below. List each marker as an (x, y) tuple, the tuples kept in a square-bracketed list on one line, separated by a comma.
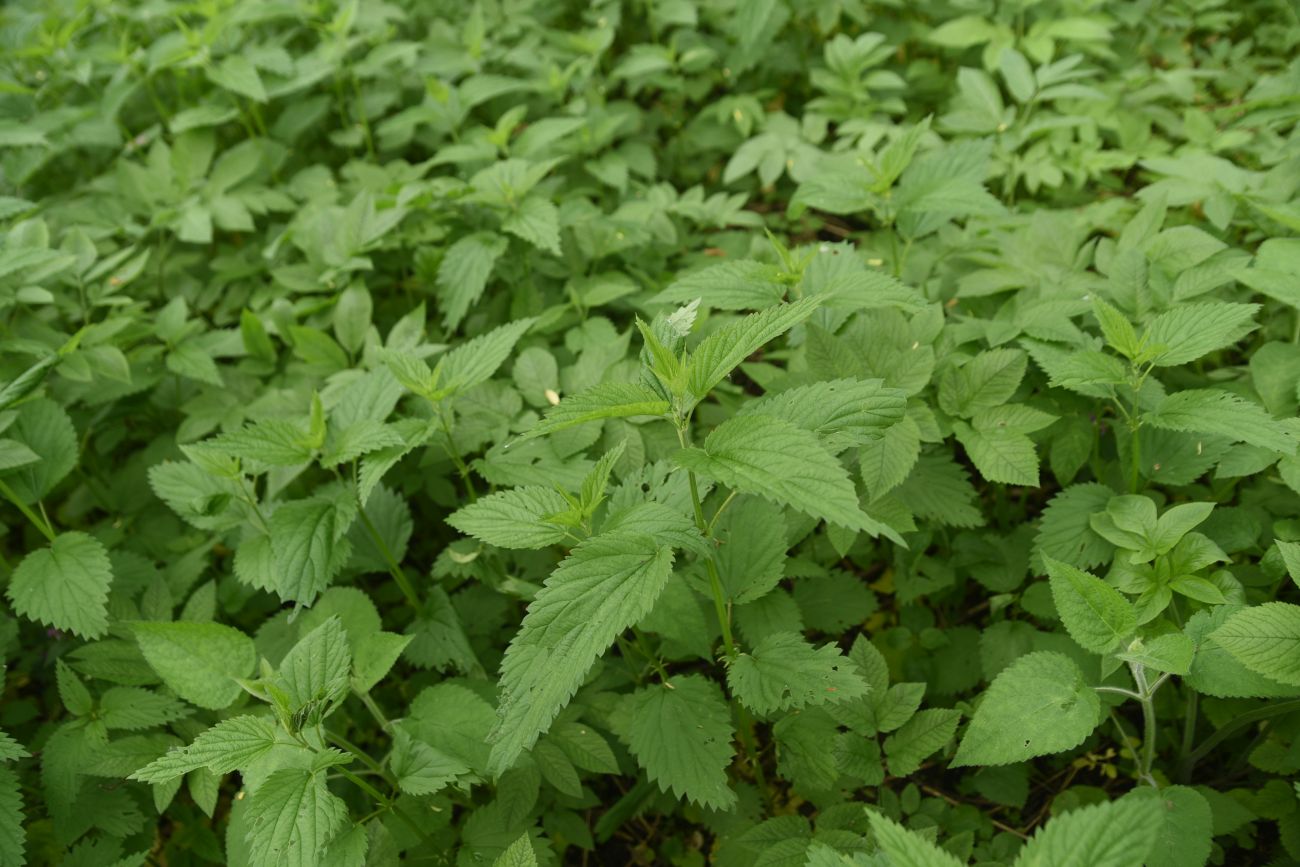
[(738, 432)]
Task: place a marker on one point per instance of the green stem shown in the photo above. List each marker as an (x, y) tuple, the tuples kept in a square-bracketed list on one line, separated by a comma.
[(375, 711), (37, 521), (718, 514), (1135, 449), (1118, 690), (1148, 758), (1235, 726), (394, 568), (357, 753), (1189, 730), (715, 582)]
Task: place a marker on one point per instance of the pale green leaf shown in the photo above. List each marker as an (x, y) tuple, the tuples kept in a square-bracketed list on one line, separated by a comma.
[(291, 817), (515, 518), (605, 585), (198, 660), (762, 455), (229, 745), (723, 350), (1208, 411), (1038, 705), (602, 401), (463, 273), (1111, 834), (1266, 639), (1095, 614), (65, 585)]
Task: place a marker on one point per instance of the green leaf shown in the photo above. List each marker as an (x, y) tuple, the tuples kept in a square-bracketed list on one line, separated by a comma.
[(680, 732), (537, 221), (474, 362), (1208, 411), (310, 545), (762, 455), (723, 350), (1190, 331), (987, 380), (237, 74), (926, 732), (740, 285), (421, 769), (229, 745), (463, 273), (1065, 532), (906, 848), (786, 672), (291, 817), (885, 462), (1171, 652), (1266, 639), (274, 442), (605, 585), (1112, 834), (199, 661), (65, 585), (513, 519), (1118, 332), (606, 400), (1095, 614), (316, 669), (13, 837), (1000, 455), (1038, 705), (519, 854), (842, 412), (45, 428), (1186, 826)]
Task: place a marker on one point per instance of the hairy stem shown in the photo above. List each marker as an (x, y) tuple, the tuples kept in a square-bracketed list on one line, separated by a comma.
[(37, 521)]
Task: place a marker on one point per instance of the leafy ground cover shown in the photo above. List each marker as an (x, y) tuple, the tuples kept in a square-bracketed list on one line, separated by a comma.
[(737, 432)]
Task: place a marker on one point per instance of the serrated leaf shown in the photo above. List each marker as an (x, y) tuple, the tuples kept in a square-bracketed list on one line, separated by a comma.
[(291, 817), (1112, 834), (1208, 411), (605, 585), (310, 546), (229, 745), (785, 672), (680, 732), (13, 837), (1038, 705), (723, 350), (602, 401), (513, 519), (274, 442), (421, 769), (65, 585), (1095, 614), (924, 733), (740, 285), (1000, 455), (1266, 639), (906, 848), (199, 661), (474, 362), (1190, 331), (762, 455), (842, 412), (463, 273)]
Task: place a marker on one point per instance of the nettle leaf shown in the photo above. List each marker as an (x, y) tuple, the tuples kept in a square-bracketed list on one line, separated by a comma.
[(987, 380), (1190, 331), (1065, 531), (680, 732), (513, 519), (310, 546), (463, 273), (474, 362), (605, 585), (291, 817), (1038, 705), (723, 350), (275, 442), (229, 745), (785, 672), (842, 412), (1000, 455), (606, 400), (1095, 614), (1186, 826), (907, 848), (13, 836), (199, 661), (1266, 639), (769, 457), (740, 285), (1115, 834), (421, 769), (1208, 411), (65, 585), (924, 733)]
